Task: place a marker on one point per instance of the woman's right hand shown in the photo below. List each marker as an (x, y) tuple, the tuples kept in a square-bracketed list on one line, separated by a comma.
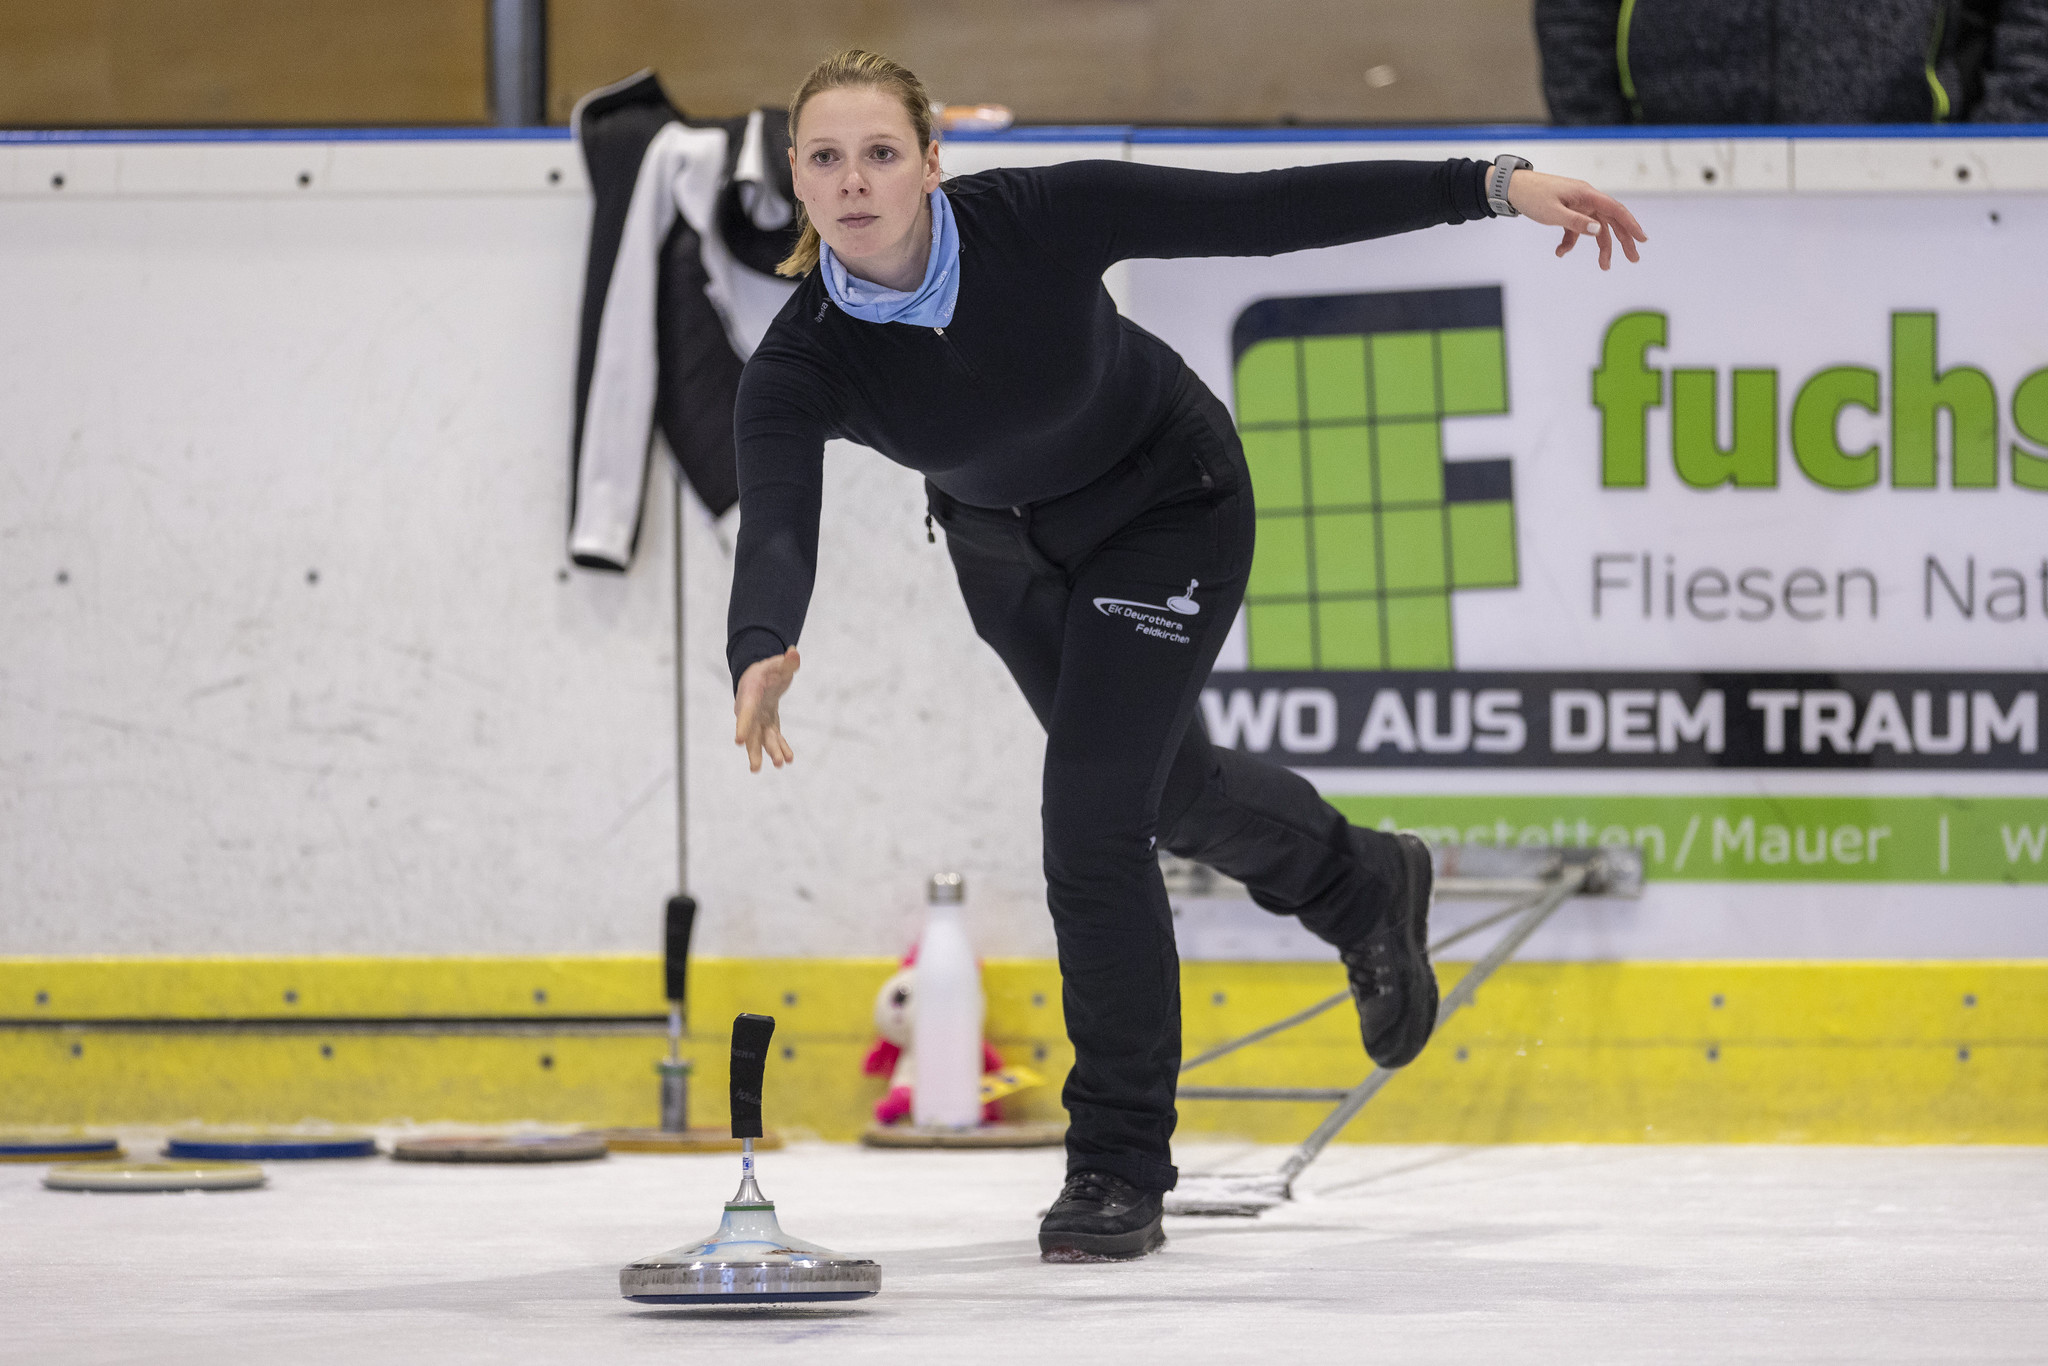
[(757, 708)]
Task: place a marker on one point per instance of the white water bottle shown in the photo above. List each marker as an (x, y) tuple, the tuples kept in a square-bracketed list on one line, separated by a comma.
[(946, 1032)]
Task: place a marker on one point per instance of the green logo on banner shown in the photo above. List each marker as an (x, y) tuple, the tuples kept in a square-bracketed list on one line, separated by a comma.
[(1365, 529)]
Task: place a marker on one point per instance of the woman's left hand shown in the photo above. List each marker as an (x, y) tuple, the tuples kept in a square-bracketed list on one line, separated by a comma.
[(1579, 209)]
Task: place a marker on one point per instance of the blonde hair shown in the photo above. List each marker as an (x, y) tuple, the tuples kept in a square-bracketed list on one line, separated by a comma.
[(860, 69)]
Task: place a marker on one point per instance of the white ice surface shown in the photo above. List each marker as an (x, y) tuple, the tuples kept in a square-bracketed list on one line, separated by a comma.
[(1520, 1254)]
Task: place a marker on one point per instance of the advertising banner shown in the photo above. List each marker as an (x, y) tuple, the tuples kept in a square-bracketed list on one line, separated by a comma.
[(1740, 555)]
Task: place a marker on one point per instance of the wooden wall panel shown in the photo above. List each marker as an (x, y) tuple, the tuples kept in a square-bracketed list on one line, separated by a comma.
[(1150, 61), (229, 62), (242, 62)]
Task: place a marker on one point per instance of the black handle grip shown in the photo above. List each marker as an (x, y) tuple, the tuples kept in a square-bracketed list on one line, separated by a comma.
[(675, 958), (750, 1035)]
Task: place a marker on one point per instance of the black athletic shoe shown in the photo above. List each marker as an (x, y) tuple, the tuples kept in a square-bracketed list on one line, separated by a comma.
[(1100, 1217), (1392, 982)]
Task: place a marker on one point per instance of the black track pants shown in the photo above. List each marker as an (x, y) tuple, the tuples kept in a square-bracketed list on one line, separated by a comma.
[(1109, 605)]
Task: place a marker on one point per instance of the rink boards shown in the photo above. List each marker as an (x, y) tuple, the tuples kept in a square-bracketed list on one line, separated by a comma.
[(1901, 1052), (295, 672)]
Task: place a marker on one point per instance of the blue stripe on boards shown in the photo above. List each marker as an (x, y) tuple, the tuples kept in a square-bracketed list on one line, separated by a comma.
[(133, 135), (1629, 133), (1103, 133)]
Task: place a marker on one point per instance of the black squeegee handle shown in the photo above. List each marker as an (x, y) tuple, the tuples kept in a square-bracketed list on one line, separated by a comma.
[(750, 1035), (675, 957)]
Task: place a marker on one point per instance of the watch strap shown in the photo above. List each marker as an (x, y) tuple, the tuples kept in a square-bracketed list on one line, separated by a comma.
[(1504, 167)]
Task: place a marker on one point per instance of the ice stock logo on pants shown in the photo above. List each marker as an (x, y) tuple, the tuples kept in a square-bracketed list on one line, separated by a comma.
[(1151, 620)]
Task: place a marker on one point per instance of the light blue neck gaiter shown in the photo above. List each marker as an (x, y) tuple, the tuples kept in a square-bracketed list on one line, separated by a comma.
[(929, 305)]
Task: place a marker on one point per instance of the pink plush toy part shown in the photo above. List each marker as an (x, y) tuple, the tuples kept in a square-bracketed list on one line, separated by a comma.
[(895, 1013)]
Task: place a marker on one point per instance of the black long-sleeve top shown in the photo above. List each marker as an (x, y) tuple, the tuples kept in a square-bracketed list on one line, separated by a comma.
[(1038, 385)]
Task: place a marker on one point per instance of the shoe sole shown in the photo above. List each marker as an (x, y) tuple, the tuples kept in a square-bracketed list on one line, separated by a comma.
[(1411, 1034), (1101, 1247)]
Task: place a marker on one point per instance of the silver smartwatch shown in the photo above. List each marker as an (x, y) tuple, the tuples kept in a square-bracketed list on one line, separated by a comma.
[(1504, 166)]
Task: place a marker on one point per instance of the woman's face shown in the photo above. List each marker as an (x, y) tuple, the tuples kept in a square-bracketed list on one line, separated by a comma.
[(862, 176)]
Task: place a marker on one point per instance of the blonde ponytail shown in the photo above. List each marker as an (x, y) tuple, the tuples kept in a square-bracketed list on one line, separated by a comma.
[(858, 69)]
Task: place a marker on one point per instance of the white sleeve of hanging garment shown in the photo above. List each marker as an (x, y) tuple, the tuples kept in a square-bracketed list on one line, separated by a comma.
[(681, 170), (746, 300)]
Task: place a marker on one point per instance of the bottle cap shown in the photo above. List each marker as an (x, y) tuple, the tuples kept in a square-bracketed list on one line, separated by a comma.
[(946, 889)]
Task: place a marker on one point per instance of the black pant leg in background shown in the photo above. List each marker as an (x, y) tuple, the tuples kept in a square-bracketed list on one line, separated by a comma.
[(1085, 598), (1269, 828)]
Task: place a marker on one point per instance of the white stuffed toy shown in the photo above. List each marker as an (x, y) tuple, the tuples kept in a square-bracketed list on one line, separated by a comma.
[(895, 1021)]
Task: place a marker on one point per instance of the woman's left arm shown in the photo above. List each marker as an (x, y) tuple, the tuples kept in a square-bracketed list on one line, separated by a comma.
[(1111, 211), (1582, 211)]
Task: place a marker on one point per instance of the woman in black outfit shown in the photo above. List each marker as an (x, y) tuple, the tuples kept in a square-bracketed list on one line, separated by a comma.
[(1099, 515)]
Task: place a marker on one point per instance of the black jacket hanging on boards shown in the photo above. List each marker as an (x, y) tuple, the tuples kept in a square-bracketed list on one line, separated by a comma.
[(688, 222)]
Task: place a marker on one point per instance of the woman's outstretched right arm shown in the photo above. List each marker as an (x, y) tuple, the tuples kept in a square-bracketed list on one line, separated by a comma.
[(779, 439)]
